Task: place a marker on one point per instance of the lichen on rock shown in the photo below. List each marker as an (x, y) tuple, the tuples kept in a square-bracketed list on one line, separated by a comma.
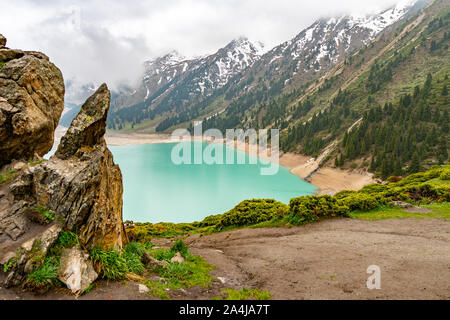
[(31, 103), (78, 189), (88, 127), (81, 181)]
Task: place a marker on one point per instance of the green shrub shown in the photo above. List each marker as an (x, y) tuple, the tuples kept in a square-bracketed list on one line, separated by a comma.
[(360, 201), (180, 247), (255, 211), (135, 248), (146, 231), (307, 209), (133, 263), (110, 263), (133, 254), (44, 276), (46, 214), (343, 194), (373, 188), (67, 239), (208, 221), (418, 191), (445, 175), (162, 254)]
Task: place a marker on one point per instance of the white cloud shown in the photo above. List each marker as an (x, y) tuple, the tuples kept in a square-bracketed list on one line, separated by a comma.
[(107, 41)]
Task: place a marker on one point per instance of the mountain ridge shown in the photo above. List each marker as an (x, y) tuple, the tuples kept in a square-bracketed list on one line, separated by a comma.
[(290, 65)]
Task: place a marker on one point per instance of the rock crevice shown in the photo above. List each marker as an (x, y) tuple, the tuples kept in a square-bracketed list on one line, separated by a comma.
[(78, 189)]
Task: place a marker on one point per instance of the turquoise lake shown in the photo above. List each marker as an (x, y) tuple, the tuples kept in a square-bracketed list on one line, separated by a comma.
[(157, 190)]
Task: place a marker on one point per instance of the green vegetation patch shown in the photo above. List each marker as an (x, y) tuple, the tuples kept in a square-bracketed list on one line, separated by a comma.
[(250, 212), (244, 294), (247, 213), (45, 267), (114, 265), (7, 176), (44, 276), (431, 186), (194, 272), (46, 214), (308, 209), (440, 211)]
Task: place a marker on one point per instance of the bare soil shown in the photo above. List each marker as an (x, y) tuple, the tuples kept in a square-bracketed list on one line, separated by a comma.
[(324, 260), (329, 259)]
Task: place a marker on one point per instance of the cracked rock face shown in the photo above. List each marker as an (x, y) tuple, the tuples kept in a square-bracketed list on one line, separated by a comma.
[(88, 127), (80, 184), (31, 103)]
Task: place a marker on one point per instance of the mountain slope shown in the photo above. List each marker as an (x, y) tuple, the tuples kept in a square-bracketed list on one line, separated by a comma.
[(284, 72), (395, 91), (237, 75), (172, 85)]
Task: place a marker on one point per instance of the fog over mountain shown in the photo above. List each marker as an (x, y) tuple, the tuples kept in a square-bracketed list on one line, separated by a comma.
[(109, 40)]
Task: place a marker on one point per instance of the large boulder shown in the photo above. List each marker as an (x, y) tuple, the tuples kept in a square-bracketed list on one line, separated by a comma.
[(81, 182), (31, 103), (76, 270)]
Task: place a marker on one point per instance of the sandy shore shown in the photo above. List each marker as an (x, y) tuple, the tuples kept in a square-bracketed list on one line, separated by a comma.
[(332, 180), (117, 139), (329, 180)]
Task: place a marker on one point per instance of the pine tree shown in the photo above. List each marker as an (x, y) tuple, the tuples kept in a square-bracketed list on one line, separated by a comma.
[(442, 151), (415, 164), (397, 168), (385, 170)]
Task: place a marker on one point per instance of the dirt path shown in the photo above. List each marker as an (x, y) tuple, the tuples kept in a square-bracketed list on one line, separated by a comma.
[(328, 260), (324, 260)]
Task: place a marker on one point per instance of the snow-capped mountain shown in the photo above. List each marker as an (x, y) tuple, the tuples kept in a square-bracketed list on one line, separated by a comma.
[(181, 90), (156, 74), (327, 42), (229, 61), (173, 82)]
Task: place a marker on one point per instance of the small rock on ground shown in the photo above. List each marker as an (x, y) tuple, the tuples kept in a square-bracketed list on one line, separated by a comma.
[(143, 288), (177, 258)]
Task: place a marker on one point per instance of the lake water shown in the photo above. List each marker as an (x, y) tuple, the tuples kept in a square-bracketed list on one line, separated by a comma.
[(157, 190)]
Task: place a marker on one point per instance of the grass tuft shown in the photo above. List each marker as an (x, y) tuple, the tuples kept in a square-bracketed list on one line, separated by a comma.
[(244, 294)]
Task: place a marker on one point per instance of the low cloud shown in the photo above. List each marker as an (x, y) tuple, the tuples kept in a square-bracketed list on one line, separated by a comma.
[(107, 41)]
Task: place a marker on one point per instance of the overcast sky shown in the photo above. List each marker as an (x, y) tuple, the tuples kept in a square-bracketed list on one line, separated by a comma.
[(107, 41)]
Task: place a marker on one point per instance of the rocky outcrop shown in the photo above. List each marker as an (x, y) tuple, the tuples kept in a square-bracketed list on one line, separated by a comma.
[(81, 182), (80, 186), (31, 103), (76, 270), (88, 127), (20, 258)]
